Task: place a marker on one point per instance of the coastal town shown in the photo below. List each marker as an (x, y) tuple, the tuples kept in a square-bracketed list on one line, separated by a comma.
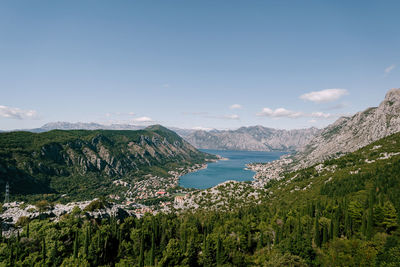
[(266, 172)]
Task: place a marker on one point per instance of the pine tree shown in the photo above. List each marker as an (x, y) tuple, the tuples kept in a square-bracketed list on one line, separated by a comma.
[(389, 217)]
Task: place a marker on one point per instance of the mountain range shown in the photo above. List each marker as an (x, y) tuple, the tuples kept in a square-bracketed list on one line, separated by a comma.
[(254, 138)]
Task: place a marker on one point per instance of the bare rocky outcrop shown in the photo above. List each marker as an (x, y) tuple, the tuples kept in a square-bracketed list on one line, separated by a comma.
[(348, 134), (254, 138)]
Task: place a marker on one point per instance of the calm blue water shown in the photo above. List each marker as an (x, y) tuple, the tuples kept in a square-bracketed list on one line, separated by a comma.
[(223, 170)]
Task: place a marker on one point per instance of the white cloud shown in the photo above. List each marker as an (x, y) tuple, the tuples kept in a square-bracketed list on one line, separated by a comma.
[(312, 121), (389, 69), (231, 117), (285, 113), (278, 113), (327, 95), (235, 106), (143, 119), (201, 128), (320, 115), (16, 113)]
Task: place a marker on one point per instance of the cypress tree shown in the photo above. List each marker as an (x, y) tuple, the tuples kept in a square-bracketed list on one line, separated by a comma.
[(10, 258), (364, 226), (249, 241), (141, 255), (347, 224), (317, 235), (324, 234), (27, 230), (219, 251), (153, 247), (261, 240), (370, 223), (44, 251), (76, 246), (86, 243)]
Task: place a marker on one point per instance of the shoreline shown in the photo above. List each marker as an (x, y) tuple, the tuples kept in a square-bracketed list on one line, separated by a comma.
[(203, 166)]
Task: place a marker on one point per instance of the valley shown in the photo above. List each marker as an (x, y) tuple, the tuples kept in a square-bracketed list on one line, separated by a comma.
[(299, 207)]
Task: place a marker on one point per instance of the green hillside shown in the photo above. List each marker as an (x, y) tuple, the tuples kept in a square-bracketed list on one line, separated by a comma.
[(344, 212), (83, 163)]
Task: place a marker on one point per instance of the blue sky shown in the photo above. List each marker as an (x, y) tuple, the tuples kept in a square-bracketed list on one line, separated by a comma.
[(205, 64)]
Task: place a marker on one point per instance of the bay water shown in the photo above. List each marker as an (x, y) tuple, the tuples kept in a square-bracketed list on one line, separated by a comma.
[(223, 170)]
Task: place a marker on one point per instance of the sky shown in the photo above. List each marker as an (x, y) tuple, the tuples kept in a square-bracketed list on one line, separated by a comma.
[(195, 64)]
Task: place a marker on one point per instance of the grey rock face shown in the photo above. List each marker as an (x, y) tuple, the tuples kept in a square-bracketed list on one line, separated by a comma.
[(84, 126), (255, 138), (348, 134)]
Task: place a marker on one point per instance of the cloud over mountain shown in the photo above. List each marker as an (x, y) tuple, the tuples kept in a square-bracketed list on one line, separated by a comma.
[(17, 113)]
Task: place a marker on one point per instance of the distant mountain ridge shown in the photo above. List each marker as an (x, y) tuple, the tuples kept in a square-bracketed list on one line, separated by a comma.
[(348, 134), (253, 138), (62, 125)]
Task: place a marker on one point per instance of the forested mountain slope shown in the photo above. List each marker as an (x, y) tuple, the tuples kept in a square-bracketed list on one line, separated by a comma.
[(343, 212), (84, 163)]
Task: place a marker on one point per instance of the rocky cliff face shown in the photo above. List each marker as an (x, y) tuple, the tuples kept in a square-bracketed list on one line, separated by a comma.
[(255, 138), (348, 134)]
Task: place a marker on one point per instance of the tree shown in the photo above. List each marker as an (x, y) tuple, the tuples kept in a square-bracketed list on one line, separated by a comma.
[(389, 217), (317, 234), (86, 243), (44, 251), (42, 205), (153, 248), (172, 255), (76, 246)]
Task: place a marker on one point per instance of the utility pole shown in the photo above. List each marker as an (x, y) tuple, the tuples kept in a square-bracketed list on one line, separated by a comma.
[(7, 197)]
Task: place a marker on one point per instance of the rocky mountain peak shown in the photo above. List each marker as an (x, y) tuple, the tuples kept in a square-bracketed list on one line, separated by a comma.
[(391, 103), (347, 134), (393, 95)]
